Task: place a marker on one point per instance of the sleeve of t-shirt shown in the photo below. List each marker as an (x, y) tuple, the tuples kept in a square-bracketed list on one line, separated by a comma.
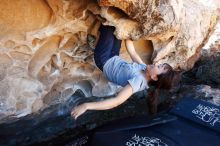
[(143, 66), (137, 83)]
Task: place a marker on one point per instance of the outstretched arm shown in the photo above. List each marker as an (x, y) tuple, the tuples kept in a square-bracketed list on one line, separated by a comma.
[(123, 95), (131, 51)]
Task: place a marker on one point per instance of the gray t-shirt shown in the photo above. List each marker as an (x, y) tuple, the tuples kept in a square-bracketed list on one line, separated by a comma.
[(120, 72)]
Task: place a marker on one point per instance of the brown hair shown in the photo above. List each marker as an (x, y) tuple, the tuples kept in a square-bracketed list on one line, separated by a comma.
[(165, 81)]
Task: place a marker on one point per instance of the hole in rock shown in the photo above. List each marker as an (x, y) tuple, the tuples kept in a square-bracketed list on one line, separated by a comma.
[(143, 47)]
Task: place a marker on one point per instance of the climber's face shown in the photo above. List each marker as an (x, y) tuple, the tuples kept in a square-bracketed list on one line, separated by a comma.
[(156, 70)]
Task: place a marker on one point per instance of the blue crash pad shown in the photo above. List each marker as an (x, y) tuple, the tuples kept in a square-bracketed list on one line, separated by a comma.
[(191, 122)]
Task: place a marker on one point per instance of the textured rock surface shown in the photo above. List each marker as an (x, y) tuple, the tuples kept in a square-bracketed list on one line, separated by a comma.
[(206, 71), (214, 40), (45, 57), (178, 29)]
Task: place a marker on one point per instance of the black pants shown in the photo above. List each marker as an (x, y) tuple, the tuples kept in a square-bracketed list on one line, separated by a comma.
[(108, 46)]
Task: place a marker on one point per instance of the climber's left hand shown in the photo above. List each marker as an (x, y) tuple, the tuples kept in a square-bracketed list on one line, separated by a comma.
[(79, 110)]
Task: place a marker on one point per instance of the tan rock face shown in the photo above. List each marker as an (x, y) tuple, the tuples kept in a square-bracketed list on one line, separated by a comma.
[(23, 15), (156, 18), (45, 56), (178, 29)]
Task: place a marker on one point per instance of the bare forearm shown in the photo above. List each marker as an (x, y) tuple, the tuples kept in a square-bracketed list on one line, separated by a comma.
[(136, 58), (103, 105), (133, 54), (123, 95)]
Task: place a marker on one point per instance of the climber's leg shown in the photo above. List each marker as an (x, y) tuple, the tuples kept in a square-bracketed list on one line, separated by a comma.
[(103, 49), (116, 47)]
